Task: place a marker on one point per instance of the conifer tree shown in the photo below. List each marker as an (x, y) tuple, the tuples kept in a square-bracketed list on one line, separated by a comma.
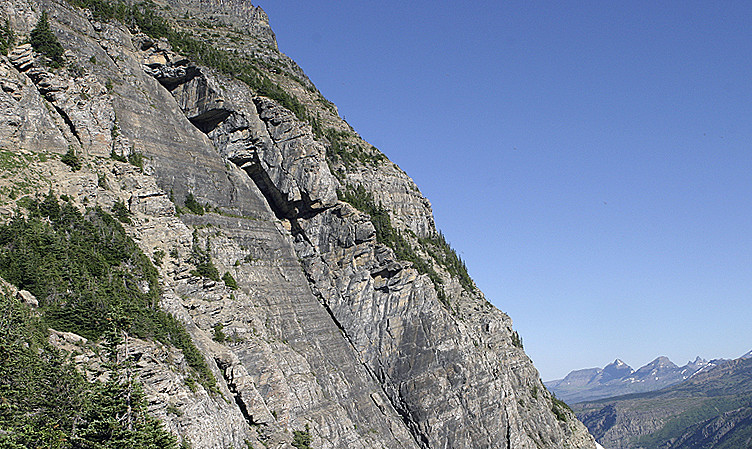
[(44, 41)]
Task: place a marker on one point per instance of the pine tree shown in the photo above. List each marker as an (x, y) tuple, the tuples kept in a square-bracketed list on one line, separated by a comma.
[(44, 41)]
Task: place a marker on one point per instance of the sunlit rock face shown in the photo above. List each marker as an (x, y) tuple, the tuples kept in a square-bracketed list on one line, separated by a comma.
[(331, 331)]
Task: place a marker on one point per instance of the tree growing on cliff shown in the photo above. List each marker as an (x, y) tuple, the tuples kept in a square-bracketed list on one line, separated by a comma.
[(44, 41), (7, 38)]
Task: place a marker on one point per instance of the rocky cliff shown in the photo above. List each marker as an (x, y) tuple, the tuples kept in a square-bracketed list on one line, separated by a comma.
[(348, 317)]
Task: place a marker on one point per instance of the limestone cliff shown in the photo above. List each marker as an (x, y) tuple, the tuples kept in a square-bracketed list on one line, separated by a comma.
[(363, 329)]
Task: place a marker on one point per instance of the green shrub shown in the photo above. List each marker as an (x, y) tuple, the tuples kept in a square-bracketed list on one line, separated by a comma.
[(115, 156), (192, 205), (201, 258), (516, 340), (559, 408), (301, 439), (445, 255), (137, 160), (158, 257), (71, 160), (121, 212), (85, 269), (229, 280), (218, 335), (44, 41), (7, 38), (340, 150)]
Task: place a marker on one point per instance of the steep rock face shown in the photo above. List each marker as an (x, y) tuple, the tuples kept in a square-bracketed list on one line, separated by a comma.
[(26, 123), (390, 314), (328, 330), (399, 194), (264, 139), (454, 387), (240, 14)]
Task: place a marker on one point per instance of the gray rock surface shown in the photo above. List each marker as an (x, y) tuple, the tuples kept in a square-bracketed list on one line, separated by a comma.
[(27, 298), (328, 329)]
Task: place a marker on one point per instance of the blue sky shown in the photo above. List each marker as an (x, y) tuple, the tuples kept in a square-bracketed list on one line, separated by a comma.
[(590, 161)]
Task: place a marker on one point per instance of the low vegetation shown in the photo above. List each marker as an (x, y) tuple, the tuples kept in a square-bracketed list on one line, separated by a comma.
[(71, 160), (445, 255), (7, 38), (201, 258), (560, 409), (88, 273), (217, 333), (134, 158), (436, 246), (517, 340), (301, 439), (46, 403), (229, 281), (143, 16), (340, 150), (121, 212), (192, 205)]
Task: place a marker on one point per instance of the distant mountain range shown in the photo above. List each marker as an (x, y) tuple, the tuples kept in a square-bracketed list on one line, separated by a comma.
[(618, 378), (710, 410)]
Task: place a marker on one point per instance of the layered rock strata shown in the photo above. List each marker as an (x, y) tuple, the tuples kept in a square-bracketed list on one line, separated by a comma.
[(329, 331)]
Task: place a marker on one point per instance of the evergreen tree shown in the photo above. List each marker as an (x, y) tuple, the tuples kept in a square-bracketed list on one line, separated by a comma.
[(7, 38), (44, 41), (46, 403)]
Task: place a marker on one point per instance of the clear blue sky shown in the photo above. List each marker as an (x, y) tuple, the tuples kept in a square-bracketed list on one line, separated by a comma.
[(590, 161)]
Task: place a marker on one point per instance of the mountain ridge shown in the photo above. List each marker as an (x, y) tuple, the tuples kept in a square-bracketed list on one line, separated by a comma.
[(709, 410), (618, 378)]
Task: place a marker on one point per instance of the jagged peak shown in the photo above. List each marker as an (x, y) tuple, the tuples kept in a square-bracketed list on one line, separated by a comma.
[(660, 362), (618, 365)]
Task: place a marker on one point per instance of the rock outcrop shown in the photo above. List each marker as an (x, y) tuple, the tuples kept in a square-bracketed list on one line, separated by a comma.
[(329, 329)]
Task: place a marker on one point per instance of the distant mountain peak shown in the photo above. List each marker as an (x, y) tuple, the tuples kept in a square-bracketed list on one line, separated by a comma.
[(662, 362), (616, 370), (618, 378), (747, 355)]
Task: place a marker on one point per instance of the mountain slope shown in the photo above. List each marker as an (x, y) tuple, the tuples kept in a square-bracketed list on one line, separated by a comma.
[(618, 379), (709, 410), (305, 266)]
